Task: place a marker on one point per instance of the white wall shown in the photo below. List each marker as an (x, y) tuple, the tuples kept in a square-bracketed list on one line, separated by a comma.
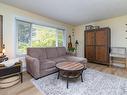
[(10, 13), (118, 33)]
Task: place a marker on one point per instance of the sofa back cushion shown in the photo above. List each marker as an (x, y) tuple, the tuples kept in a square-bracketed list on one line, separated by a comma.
[(51, 52), (61, 51), (39, 53)]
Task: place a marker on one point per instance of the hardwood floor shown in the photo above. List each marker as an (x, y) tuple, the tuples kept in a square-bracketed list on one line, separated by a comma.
[(27, 88), (118, 71)]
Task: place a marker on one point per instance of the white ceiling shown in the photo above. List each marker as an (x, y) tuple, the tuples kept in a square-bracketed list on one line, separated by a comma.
[(73, 12)]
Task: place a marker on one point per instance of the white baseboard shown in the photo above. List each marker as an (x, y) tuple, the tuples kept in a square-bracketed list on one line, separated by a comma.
[(118, 65)]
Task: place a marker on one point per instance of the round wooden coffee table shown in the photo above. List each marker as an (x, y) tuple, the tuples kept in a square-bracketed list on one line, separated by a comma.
[(70, 70)]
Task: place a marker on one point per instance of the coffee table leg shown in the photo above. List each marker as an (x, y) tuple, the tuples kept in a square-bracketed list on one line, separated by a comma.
[(67, 82), (58, 74), (81, 76)]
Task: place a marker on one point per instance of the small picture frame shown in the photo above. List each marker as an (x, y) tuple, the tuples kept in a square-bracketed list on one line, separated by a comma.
[(96, 27), (89, 27)]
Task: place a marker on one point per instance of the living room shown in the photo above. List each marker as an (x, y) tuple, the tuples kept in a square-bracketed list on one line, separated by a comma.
[(82, 43)]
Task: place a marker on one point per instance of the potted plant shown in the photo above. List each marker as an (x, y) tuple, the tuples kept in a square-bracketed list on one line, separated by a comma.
[(72, 49)]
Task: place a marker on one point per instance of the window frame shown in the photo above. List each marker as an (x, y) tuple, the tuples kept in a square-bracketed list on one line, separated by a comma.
[(31, 23)]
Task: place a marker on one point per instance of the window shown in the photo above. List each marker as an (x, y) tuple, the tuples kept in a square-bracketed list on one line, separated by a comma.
[(43, 36), (60, 38), (24, 36), (33, 35)]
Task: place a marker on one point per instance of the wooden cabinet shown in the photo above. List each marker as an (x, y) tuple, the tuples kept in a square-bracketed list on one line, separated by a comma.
[(90, 38), (90, 53), (97, 45)]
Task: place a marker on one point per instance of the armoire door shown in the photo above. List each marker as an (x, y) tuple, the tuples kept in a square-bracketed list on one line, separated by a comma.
[(102, 46), (89, 48), (90, 52), (90, 38)]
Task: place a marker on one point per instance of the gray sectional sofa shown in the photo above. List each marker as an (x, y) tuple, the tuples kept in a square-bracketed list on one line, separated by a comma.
[(41, 61)]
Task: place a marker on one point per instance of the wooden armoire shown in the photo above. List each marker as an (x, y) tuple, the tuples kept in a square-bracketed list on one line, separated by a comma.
[(97, 45)]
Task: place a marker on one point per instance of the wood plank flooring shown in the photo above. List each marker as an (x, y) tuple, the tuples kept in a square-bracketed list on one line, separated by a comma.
[(118, 71), (27, 88)]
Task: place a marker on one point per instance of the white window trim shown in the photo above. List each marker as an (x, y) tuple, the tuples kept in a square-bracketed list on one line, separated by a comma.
[(56, 38)]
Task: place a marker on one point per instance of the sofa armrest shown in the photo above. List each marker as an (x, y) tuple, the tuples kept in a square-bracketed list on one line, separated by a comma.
[(33, 66), (71, 53)]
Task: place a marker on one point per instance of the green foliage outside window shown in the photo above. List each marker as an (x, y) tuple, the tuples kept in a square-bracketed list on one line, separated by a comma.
[(23, 29), (31, 35), (44, 37)]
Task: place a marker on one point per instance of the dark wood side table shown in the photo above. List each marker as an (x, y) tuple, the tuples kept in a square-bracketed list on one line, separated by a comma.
[(6, 72), (70, 70)]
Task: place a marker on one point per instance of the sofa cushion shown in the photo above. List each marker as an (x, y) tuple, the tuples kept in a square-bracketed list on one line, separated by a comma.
[(39, 53), (51, 52), (61, 51), (46, 64), (48, 71), (59, 59), (76, 59)]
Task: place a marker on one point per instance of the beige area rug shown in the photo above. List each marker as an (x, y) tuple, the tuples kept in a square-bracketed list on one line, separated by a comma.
[(95, 83)]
